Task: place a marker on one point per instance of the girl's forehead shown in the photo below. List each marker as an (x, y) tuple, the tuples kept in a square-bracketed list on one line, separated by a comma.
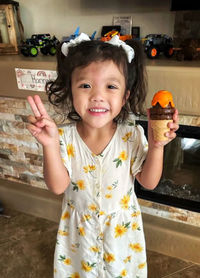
[(104, 67)]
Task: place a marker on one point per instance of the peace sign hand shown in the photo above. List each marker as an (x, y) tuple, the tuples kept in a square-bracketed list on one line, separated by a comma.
[(41, 126)]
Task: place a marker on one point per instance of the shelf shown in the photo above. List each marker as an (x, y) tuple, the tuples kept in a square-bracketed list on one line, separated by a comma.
[(181, 78)]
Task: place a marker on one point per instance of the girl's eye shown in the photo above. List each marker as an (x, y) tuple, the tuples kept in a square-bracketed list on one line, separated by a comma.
[(112, 87), (84, 86)]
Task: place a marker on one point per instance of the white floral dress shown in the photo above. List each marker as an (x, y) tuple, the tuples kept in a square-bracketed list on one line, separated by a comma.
[(100, 233)]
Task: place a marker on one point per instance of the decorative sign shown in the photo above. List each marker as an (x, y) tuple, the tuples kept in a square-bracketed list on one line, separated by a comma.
[(125, 22), (34, 80)]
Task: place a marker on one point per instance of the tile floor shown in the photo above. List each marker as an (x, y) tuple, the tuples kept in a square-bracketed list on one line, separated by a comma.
[(27, 247)]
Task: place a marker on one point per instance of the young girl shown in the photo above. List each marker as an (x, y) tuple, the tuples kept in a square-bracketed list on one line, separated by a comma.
[(102, 152)]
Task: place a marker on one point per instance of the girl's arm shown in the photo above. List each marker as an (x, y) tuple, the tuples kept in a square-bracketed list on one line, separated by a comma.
[(152, 169), (43, 128), (151, 172)]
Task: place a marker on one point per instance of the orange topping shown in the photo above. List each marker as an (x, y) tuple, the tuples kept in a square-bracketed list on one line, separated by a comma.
[(163, 98)]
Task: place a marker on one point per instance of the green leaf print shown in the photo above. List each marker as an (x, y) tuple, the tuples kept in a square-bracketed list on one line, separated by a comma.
[(75, 187), (126, 225), (130, 191), (62, 258), (119, 162)]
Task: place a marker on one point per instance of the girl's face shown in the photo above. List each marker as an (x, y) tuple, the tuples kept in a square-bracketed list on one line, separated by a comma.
[(98, 93)]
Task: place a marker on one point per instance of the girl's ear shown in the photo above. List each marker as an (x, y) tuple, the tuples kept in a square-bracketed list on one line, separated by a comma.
[(126, 97)]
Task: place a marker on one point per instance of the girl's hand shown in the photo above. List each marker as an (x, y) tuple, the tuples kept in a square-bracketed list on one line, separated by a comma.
[(169, 135), (41, 126)]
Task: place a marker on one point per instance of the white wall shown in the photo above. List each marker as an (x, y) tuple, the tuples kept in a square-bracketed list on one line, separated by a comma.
[(61, 17)]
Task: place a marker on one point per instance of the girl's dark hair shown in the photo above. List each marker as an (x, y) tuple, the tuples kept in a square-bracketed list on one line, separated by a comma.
[(59, 91)]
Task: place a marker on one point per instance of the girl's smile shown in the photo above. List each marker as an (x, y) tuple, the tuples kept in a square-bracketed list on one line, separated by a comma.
[(98, 93)]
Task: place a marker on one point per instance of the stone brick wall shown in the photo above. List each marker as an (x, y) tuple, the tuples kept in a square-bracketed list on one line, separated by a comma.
[(20, 153)]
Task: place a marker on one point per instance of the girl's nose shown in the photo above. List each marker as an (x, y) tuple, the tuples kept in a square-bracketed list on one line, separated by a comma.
[(97, 95)]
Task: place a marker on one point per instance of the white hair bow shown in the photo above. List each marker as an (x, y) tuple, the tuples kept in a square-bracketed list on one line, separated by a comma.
[(128, 49), (65, 46), (114, 41)]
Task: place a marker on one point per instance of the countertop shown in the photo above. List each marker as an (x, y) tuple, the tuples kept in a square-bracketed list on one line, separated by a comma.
[(182, 78)]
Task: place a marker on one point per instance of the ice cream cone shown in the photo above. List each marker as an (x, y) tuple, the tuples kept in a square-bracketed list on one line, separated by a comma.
[(159, 129)]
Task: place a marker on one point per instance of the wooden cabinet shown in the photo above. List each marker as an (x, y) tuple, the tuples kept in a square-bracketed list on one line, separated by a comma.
[(8, 37)]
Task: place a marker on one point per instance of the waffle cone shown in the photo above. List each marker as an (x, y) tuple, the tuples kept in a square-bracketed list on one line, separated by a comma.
[(159, 129)]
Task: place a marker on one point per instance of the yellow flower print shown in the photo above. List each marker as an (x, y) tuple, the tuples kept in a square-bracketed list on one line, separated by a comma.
[(135, 226), (136, 247), (86, 266), (108, 196), (127, 136), (113, 186), (60, 131), (74, 247), (63, 233), (123, 273), (89, 168), (101, 212), (125, 201), (136, 213), (85, 217), (75, 275), (92, 207), (70, 150), (120, 230), (122, 157), (95, 249), (128, 259), (80, 184), (100, 236), (108, 257), (141, 266), (92, 168), (81, 231), (65, 260), (70, 204), (65, 215)]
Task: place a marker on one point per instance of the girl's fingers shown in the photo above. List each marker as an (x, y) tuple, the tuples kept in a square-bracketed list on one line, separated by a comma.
[(33, 129), (45, 123), (33, 107), (40, 106), (31, 119), (173, 126), (37, 106), (175, 116)]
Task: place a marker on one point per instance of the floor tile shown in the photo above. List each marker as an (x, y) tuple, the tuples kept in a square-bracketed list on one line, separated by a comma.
[(160, 265), (30, 257), (20, 225), (27, 247), (190, 272)]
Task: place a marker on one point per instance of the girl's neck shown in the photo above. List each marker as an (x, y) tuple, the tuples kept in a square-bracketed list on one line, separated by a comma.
[(96, 138)]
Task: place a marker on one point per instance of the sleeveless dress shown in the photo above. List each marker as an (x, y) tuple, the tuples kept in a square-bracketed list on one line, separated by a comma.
[(100, 233)]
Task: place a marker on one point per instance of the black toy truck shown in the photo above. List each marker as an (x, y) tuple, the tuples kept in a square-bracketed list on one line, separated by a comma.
[(43, 42), (154, 44)]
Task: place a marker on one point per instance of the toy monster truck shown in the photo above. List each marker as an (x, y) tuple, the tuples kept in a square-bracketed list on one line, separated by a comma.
[(43, 42), (108, 36), (154, 44)]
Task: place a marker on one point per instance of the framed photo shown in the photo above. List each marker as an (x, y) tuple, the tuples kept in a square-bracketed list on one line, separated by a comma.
[(125, 22)]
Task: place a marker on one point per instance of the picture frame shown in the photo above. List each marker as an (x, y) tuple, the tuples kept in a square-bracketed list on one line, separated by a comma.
[(125, 22)]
